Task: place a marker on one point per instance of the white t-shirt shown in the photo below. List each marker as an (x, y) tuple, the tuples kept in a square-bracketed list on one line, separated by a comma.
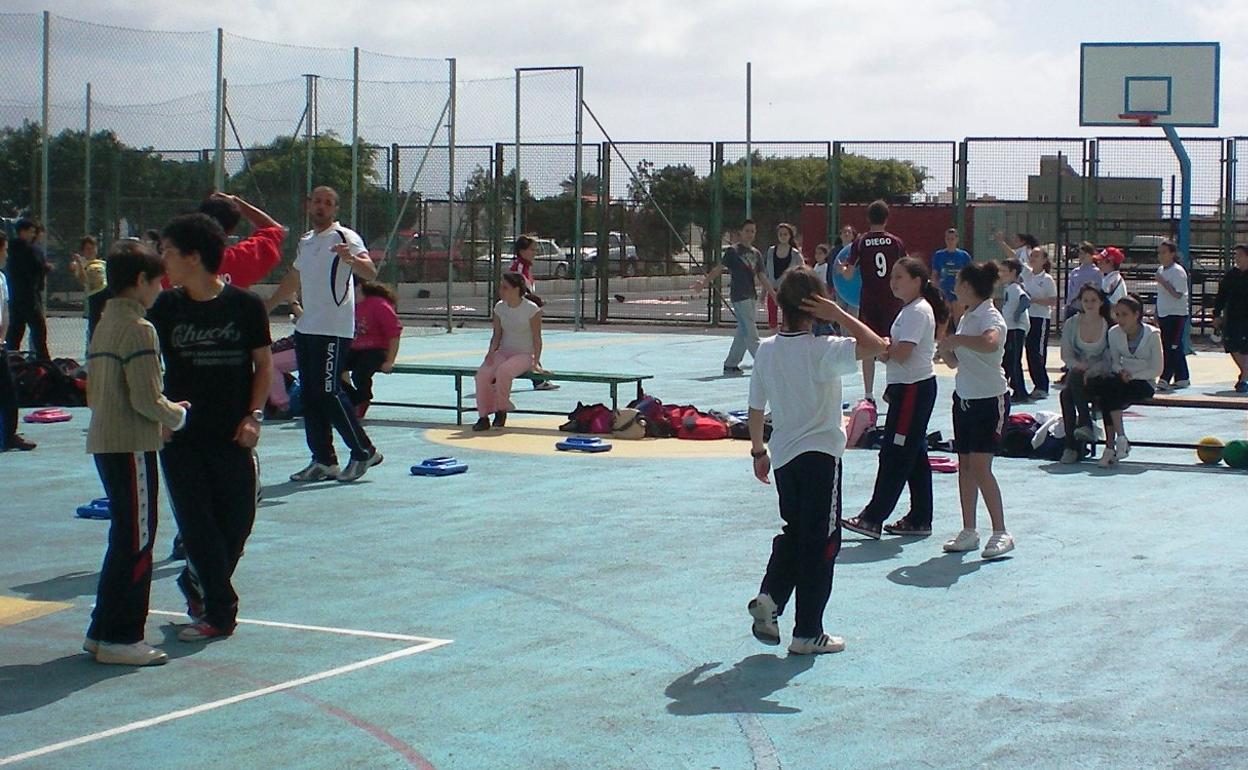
[(915, 323), (1167, 305), (1114, 286), (1040, 286), (979, 375), (326, 283), (1012, 310), (515, 322), (799, 376), (821, 270)]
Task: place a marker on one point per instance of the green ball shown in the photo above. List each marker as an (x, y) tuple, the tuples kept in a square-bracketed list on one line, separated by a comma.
[(1235, 454)]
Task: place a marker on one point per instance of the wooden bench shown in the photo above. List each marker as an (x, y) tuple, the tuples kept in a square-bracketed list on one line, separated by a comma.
[(1187, 402), (460, 372)]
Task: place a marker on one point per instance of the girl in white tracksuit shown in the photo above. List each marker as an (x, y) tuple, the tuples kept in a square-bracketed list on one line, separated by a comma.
[(1135, 363)]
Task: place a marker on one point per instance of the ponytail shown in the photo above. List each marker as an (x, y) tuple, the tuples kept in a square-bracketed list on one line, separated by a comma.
[(517, 281), (936, 298), (917, 268)]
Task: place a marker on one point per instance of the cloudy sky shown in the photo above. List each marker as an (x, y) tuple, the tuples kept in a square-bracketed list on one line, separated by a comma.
[(667, 69)]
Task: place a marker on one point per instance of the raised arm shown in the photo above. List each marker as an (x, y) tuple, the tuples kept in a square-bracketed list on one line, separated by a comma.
[(869, 344)]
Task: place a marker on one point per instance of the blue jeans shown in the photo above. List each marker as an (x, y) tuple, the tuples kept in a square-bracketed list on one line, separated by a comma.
[(746, 337)]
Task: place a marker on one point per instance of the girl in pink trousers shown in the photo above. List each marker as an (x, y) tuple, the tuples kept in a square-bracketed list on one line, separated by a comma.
[(515, 349)]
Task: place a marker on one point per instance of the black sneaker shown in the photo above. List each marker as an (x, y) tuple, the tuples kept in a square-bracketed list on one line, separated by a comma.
[(481, 424), (734, 370), (867, 528), (20, 443), (500, 419)]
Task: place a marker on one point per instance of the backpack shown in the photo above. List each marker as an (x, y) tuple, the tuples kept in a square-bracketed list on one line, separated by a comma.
[(628, 424), (588, 418), (689, 423), (862, 418), (1019, 431), (651, 410), (47, 383)]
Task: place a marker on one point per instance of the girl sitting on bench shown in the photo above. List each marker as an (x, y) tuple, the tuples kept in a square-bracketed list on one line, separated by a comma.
[(515, 348), (1135, 362)]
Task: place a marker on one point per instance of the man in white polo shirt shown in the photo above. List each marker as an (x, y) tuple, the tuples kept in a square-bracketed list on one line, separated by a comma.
[(326, 263)]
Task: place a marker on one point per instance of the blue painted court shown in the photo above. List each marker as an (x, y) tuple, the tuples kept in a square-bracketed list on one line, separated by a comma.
[(556, 610)]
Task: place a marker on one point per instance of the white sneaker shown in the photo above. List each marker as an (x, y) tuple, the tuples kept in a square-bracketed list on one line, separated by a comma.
[(818, 645), (1161, 386), (137, 654), (765, 628), (1181, 384), (966, 540), (1108, 458), (356, 468), (1069, 456), (1122, 447), (545, 385), (1085, 433), (999, 544), (316, 472), (90, 645)]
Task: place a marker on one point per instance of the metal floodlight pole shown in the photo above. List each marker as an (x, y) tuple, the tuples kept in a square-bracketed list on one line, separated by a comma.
[(749, 152), (86, 169), (355, 138), (516, 209), (218, 174), (450, 194), (577, 191), (44, 165)]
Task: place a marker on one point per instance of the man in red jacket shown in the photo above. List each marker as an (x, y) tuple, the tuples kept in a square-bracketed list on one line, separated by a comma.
[(251, 259)]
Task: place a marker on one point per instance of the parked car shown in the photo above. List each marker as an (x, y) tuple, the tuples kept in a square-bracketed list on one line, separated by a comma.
[(422, 256), (549, 262), (620, 248)]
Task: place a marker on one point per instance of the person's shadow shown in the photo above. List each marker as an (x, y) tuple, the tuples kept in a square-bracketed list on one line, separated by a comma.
[(71, 585), (865, 550), (27, 687), (937, 572), (742, 689)]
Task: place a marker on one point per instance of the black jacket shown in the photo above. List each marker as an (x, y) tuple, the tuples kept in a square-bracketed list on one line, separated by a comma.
[(27, 271)]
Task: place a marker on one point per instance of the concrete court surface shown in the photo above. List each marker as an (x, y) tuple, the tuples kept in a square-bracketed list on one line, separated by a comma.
[(548, 610)]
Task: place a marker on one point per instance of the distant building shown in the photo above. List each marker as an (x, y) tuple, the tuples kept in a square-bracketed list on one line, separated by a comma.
[(1124, 205)]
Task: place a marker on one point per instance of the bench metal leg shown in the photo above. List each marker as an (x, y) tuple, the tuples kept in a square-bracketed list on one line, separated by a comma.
[(459, 399), (640, 393), (615, 400)]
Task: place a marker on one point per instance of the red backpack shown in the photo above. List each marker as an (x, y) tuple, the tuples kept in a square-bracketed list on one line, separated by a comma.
[(689, 423)]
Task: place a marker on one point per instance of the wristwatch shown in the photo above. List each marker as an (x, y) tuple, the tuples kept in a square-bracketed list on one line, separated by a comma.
[(757, 455), (258, 415)]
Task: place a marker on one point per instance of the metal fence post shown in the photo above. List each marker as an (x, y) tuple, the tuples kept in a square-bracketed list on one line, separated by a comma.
[(604, 224), (86, 168), (44, 161), (450, 194), (309, 133), (960, 196), (218, 138), (516, 228), (1228, 198), (1093, 190), (834, 194), (496, 236), (717, 230), (831, 190), (355, 137)]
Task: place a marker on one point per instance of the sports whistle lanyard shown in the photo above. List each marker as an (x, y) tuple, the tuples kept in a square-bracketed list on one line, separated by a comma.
[(333, 275)]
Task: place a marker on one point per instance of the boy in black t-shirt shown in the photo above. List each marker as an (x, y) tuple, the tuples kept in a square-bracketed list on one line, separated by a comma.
[(215, 342)]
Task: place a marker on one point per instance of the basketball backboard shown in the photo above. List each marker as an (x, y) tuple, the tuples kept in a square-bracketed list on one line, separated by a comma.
[(1175, 83)]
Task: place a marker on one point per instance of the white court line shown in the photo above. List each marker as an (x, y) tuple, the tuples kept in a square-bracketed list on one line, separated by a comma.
[(322, 629), (425, 645)]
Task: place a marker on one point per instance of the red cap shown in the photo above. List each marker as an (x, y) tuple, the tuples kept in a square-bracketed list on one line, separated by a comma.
[(1112, 254)]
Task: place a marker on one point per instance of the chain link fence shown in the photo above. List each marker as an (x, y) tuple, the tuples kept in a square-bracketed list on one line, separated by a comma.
[(439, 174)]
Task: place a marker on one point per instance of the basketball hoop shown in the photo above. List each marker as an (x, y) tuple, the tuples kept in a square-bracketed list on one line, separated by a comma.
[(1143, 118)]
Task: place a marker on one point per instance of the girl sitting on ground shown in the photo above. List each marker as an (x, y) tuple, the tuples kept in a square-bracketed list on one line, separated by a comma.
[(376, 343), (515, 349), (1085, 352), (1135, 362)]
